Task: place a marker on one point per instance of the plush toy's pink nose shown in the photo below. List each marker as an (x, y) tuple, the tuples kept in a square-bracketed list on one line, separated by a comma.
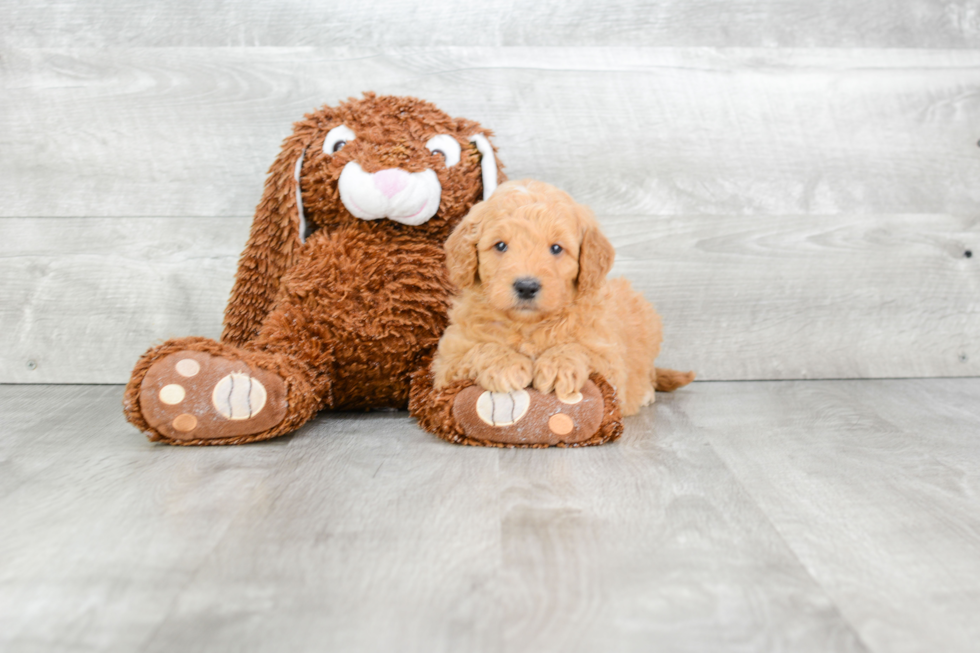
[(391, 181)]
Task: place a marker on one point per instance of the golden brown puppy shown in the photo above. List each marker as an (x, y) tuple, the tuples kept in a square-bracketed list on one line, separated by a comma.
[(535, 305)]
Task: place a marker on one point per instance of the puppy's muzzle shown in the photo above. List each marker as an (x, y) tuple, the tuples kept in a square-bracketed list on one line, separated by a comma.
[(526, 288)]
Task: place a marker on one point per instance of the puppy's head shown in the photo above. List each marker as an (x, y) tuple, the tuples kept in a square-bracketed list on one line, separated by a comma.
[(530, 249)]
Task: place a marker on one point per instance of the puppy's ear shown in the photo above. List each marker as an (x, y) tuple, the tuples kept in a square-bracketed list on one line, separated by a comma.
[(462, 259), (595, 259), (277, 233)]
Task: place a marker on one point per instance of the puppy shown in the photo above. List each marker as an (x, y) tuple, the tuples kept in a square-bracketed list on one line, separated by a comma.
[(535, 307)]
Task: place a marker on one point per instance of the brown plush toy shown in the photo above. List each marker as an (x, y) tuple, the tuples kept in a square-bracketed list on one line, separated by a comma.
[(341, 293)]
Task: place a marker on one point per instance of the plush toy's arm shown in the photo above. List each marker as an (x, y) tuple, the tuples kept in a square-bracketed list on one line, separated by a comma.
[(272, 244)]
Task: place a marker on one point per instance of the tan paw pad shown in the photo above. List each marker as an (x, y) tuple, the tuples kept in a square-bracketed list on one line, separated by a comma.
[(561, 424), (172, 394), (184, 422), (239, 396), (503, 408), (187, 367)]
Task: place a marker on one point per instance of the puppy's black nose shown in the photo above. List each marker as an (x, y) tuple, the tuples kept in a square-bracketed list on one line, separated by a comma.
[(527, 287)]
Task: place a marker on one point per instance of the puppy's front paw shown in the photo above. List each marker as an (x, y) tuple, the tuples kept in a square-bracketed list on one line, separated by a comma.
[(506, 375), (561, 374)]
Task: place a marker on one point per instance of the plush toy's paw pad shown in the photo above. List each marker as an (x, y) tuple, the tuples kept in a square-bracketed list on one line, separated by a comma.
[(528, 416), (191, 395), (502, 408)]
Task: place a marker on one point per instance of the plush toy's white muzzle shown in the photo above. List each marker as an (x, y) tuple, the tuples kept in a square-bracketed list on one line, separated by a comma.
[(407, 197), (410, 198)]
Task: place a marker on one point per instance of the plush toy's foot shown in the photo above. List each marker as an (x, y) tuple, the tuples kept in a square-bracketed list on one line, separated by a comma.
[(467, 414), (195, 391), (528, 417), (192, 395)]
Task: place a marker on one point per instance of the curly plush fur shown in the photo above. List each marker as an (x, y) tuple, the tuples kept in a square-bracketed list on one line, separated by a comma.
[(391, 133), (346, 317), (536, 308)]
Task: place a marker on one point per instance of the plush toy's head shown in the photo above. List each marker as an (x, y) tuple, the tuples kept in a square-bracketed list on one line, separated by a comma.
[(381, 163), (394, 159)]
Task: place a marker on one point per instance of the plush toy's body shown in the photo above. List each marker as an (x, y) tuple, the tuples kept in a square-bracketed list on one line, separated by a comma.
[(344, 319)]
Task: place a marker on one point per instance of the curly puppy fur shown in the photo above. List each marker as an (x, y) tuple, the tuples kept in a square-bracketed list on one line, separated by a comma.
[(348, 314), (535, 306)]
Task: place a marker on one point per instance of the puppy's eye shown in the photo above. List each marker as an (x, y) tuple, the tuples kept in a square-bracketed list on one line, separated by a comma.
[(337, 138), (501, 246), (447, 146), (556, 249)]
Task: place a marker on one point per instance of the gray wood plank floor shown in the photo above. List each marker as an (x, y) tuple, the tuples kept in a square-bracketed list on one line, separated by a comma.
[(758, 516)]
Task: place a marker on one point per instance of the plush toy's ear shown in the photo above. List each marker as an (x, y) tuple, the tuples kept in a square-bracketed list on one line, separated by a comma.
[(595, 259), (488, 164), (462, 260), (277, 232)]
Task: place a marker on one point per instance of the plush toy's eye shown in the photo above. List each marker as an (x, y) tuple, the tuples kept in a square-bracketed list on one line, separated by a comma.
[(337, 138), (447, 146), (501, 246), (556, 249)]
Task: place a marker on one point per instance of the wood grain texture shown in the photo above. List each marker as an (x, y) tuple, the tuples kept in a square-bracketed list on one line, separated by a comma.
[(83, 298), (101, 531), (761, 297), (629, 131), (628, 544), (363, 533), (783, 297), (876, 486), (754, 23)]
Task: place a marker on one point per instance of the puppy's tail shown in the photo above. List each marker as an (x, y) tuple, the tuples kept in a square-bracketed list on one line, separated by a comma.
[(670, 380)]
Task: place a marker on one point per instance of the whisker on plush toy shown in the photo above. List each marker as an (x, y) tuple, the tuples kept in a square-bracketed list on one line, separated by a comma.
[(534, 319)]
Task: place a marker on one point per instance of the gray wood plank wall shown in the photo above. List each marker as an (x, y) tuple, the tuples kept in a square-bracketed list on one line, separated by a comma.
[(794, 187)]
